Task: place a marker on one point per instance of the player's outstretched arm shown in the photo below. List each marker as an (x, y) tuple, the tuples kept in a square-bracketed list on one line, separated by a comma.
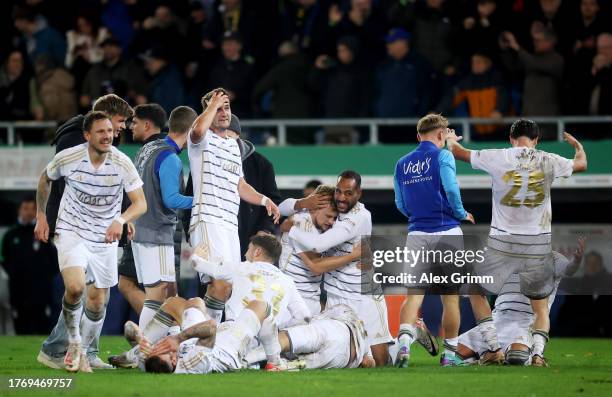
[(41, 230), (136, 209), (319, 265), (453, 145), (313, 202), (252, 196), (580, 158), (203, 122)]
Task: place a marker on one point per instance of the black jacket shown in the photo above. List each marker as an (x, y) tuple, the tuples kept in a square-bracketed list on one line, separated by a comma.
[(259, 173), (68, 135)]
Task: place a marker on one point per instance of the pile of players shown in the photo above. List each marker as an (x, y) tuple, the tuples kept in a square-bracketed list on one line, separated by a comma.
[(270, 304)]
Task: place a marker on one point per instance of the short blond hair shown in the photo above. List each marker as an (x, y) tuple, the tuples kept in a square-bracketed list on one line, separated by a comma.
[(327, 190), (431, 122)]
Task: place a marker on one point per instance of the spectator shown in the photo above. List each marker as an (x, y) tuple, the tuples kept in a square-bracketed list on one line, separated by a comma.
[(287, 81), (480, 31), (113, 75), (343, 82), (31, 266), (166, 86), (259, 173), (543, 71), (52, 91), (38, 38), (234, 18), (550, 13), (234, 73), (164, 31), (582, 39), (14, 88), (306, 23), (363, 21), (432, 35), (84, 46), (601, 96), (403, 81), (310, 187), (483, 91)]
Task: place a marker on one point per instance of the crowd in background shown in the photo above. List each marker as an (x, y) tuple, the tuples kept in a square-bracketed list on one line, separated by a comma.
[(310, 58)]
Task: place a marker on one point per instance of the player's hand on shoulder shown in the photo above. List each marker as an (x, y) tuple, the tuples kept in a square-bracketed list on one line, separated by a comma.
[(41, 230)]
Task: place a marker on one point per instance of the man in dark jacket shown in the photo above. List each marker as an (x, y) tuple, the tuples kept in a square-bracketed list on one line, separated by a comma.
[(403, 81), (31, 266), (259, 173), (68, 135)]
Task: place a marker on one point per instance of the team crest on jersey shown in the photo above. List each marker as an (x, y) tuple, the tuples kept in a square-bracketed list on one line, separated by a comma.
[(231, 167)]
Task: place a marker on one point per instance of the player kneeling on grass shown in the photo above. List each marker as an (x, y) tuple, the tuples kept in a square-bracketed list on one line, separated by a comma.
[(514, 318), (202, 347)]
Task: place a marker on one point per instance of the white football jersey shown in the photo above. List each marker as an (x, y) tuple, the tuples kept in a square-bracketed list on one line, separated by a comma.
[(522, 178), (92, 196), (216, 168), (262, 281), (290, 263), (510, 298)]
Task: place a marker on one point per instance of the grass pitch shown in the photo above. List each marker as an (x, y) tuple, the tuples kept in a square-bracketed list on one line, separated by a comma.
[(579, 367)]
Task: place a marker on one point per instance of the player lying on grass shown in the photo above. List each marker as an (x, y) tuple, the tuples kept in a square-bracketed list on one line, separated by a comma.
[(256, 278), (334, 338), (202, 347), (514, 318)]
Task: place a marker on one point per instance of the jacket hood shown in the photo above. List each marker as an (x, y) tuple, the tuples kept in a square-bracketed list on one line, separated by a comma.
[(73, 125), (246, 148)]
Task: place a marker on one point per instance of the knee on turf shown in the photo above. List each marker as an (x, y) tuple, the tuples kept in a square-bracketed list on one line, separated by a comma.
[(517, 357)]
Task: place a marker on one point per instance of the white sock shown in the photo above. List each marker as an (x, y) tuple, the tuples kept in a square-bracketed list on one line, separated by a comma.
[(132, 354), (407, 335), (450, 346), (158, 326), (268, 335), (91, 323), (489, 333), (540, 338), (175, 329), (149, 309), (72, 315)]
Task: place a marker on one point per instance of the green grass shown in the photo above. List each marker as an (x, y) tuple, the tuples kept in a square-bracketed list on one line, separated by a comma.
[(580, 367)]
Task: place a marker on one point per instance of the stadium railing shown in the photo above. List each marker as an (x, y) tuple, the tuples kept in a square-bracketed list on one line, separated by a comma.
[(464, 125)]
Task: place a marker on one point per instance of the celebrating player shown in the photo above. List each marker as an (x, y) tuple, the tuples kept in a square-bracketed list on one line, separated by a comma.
[(89, 224), (344, 284), (218, 186), (513, 317), (520, 236)]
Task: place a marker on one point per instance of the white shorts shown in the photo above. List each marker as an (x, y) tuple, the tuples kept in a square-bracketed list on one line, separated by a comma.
[(99, 261), (222, 243), (511, 328), (154, 263), (322, 343), (372, 310)]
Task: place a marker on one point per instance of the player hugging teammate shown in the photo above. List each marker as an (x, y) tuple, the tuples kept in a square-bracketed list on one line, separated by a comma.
[(269, 309)]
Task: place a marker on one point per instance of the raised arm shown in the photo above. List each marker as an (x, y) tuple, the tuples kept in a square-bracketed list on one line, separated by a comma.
[(41, 230), (580, 157), (343, 230), (202, 123), (252, 196), (313, 202), (453, 145), (448, 175)]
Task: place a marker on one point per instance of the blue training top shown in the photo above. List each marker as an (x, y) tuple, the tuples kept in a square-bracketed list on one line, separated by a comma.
[(168, 168), (426, 189)]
